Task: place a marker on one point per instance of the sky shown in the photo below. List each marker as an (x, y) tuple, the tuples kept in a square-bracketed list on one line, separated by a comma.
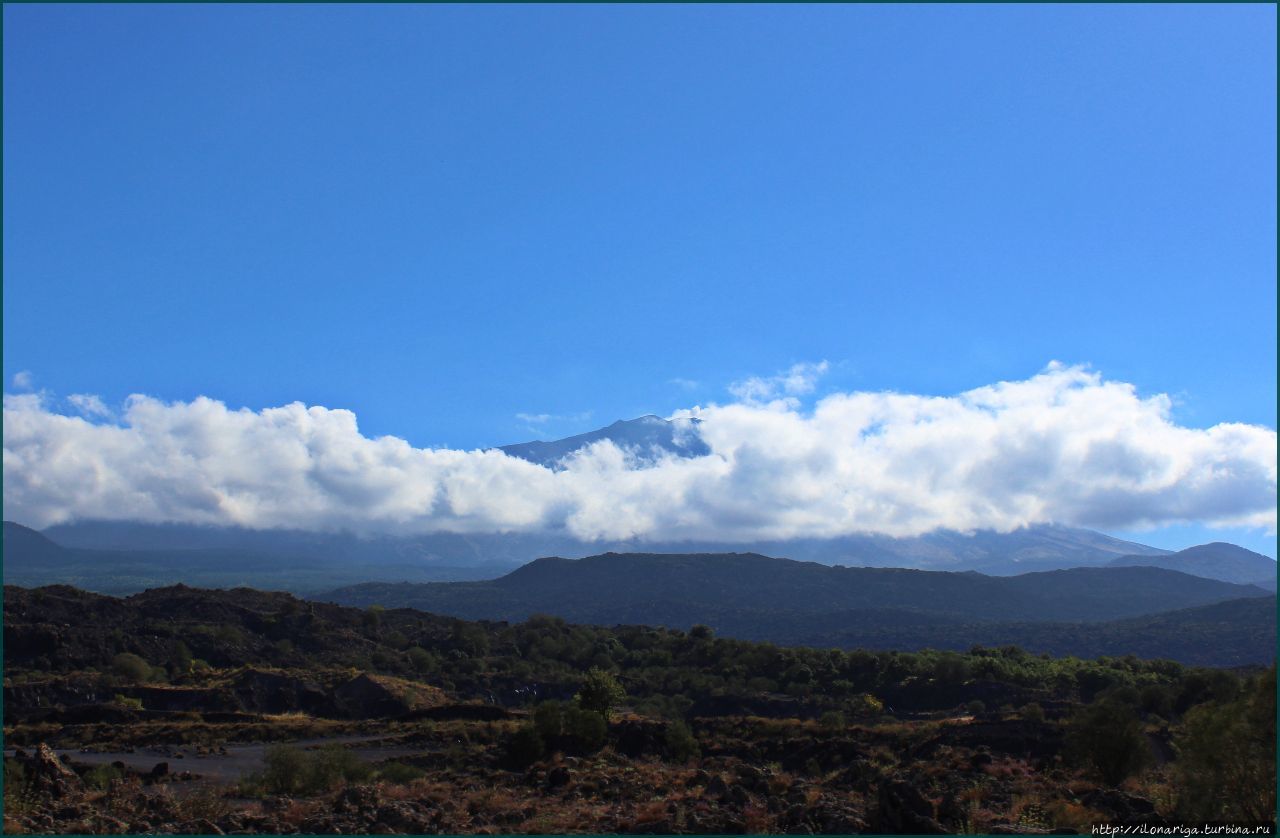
[(470, 226)]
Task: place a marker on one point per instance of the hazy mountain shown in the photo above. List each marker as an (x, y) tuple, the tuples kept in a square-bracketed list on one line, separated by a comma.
[(1218, 560), (1045, 547), (748, 593), (649, 437), (31, 559)]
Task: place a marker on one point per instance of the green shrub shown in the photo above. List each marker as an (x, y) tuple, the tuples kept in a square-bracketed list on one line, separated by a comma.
[(332, 764), (832, 720), (19, 795), (422, 661), (1033, 713), (866, 704), (975, 707), (1226, 767), (548, 719), (680, 743), (1107, 737), (290, 770), (131, 667), (179, 657), (100, 776), (126, 701), (585, 729)]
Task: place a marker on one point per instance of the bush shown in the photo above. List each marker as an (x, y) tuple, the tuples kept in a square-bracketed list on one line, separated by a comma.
[(1033, 713), (131, 667), (100, 776), (126, 701), (179, 658), (832, 720), (680, 742), (1107, 737), (1226, 768), (332, 764), (290, 770), (548, 719), (585, 729), (422, 661), (975, 708), (19, 794)]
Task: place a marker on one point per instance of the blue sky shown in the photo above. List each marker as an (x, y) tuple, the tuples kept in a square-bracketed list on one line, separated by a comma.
[(443, 217)]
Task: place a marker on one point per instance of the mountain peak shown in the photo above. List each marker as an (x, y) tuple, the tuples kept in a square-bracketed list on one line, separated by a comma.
[(647, 437)]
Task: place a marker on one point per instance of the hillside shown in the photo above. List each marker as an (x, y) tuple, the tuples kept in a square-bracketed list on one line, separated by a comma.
[(33, 559), (752, 596), (1236, 632), (1218, 560)]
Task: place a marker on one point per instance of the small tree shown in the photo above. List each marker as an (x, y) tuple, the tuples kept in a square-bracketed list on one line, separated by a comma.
[(1107, 737), (130, 666), (422, 661), (600, 692)]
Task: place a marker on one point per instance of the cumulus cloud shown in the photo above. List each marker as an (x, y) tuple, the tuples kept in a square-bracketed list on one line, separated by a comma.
[(1063, 446), (23, 380)]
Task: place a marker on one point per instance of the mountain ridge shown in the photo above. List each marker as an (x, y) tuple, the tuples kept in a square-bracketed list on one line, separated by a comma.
[(1215, 560), (683, 589)]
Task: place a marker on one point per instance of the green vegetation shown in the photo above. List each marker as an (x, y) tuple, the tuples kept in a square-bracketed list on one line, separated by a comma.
[(292, 771), (100, 776), (1107, 737), (131, 667), (600, 692), (799, 730), (1226, 768), (680, 742)]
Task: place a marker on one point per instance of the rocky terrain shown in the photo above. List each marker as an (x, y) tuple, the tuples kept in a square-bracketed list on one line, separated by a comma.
[(181, 710)]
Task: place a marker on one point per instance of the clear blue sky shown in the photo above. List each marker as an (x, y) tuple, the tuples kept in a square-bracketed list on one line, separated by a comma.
[(441, 217)]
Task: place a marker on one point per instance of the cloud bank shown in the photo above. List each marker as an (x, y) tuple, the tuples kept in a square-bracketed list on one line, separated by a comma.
[(1064, 446)]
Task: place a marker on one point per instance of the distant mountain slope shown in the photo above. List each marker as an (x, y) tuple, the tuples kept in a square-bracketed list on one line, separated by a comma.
[(1218, 560), (1235, 632), (1043, 547), (726, 589), (29, 545), (32, 560), (649, 437)]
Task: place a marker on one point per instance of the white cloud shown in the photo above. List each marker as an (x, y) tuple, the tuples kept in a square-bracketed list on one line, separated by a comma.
[(1064, 446), (800, 380), (684, 383), (534, 418), (23, 380), (90, 405)]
